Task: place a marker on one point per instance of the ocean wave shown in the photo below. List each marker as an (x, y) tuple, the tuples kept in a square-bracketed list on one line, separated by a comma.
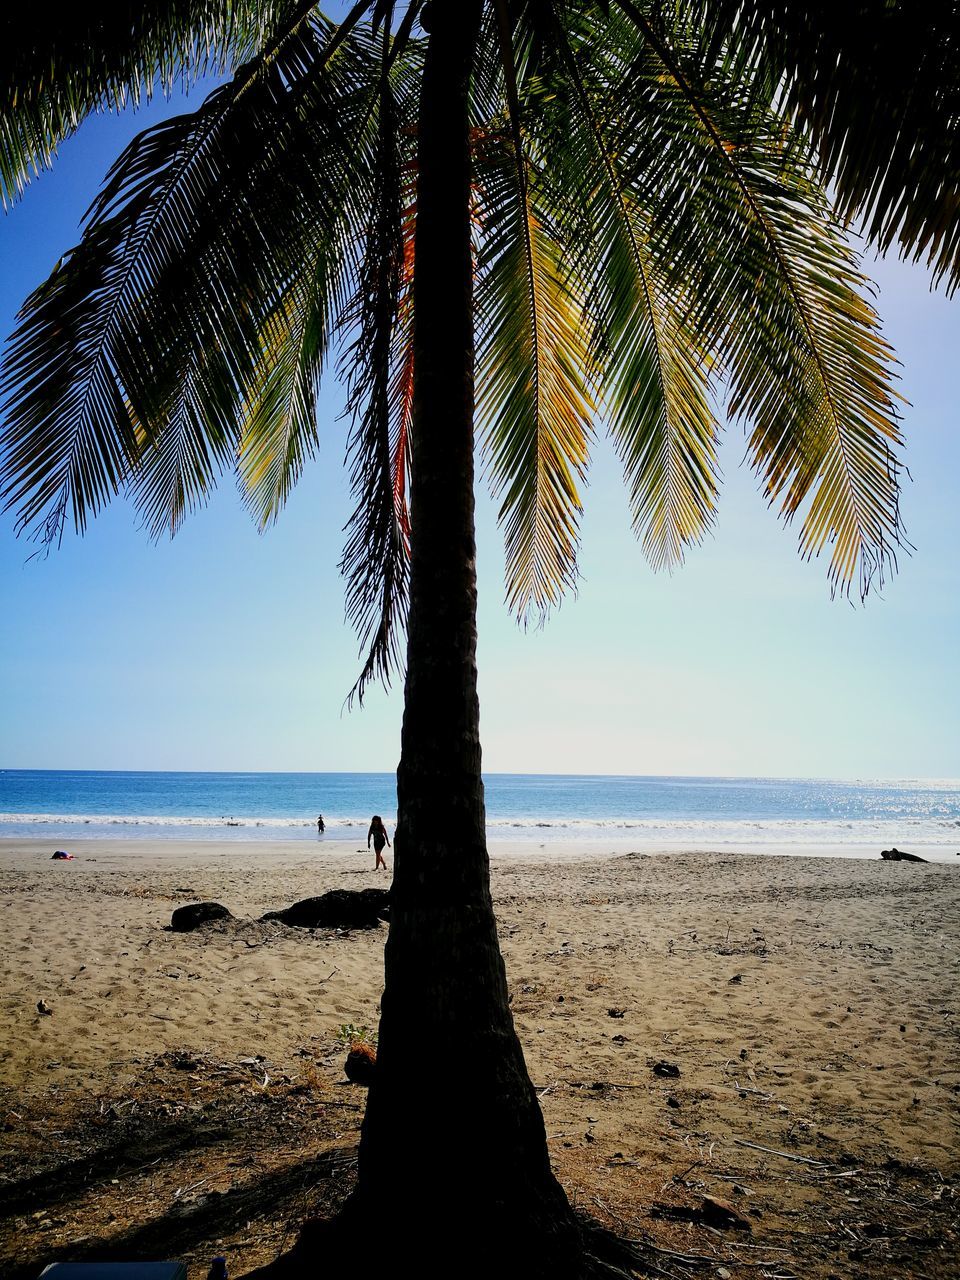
[(143, 820)]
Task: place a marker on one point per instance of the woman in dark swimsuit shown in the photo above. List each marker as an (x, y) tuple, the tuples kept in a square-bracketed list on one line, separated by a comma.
[(378, 833)]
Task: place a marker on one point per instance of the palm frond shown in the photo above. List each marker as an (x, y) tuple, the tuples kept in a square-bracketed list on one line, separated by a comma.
[(279, 432), (655, 368), (57, 68), (202, 225), (658, 398), (69, 437), (176, 469), (877, 84), (379, 372), (777, 293), (533, 396), (401, 391)]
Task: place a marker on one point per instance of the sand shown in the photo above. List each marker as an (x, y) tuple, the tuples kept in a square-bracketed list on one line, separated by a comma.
[(808, 1004)]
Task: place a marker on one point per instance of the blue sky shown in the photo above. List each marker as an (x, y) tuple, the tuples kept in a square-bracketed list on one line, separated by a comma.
[(225, 649)]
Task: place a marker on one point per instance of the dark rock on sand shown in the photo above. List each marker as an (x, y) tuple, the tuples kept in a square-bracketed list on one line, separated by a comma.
[(895, 855), (338, 909), (197, 913), (666, 1070)]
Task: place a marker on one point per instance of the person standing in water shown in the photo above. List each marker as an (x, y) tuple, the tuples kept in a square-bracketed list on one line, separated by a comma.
[(378, 833), (320, 827)]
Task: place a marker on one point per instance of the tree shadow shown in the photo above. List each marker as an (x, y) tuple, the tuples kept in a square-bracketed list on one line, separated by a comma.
[(320, 1183), (61, 1182)]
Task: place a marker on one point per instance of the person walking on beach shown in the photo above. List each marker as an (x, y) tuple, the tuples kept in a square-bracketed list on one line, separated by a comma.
[(320, 826), (379, 834)]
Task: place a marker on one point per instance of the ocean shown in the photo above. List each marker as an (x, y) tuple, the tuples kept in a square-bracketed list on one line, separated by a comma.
[(917, 815)]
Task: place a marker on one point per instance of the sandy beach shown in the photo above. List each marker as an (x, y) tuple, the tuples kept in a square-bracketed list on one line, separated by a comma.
[(777, 1033)]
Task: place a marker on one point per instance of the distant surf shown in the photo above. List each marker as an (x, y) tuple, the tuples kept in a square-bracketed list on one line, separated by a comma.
[(672, 812)]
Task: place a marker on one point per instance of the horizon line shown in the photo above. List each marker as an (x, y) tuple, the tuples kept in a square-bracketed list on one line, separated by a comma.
[(497, 773)]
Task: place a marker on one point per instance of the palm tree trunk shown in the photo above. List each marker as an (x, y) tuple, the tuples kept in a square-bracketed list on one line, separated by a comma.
[(453, 1150)]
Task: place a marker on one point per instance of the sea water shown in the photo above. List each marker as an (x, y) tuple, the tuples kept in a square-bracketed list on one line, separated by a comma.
[(921, 815)]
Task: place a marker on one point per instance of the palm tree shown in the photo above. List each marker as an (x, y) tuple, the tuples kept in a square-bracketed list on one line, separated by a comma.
[(624, 205)]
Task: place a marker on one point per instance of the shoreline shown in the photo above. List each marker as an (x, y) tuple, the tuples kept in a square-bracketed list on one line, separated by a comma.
[(554, 851)]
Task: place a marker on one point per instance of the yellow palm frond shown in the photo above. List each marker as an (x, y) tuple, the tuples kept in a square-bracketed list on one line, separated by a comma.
[(535, 406)]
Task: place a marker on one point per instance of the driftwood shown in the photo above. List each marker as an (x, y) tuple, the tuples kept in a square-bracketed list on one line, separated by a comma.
[(711, 1212), (894, 855), (784, 1155), (338, 909)]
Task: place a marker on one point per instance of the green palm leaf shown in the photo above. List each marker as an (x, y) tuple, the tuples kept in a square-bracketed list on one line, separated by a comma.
[(655, 366), (201, 226), (279, 411), (736, 216), (57, 69), (533, 397), (875, 83)]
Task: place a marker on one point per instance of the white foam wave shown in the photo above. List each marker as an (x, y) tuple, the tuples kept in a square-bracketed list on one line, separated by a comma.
[(142, 820)]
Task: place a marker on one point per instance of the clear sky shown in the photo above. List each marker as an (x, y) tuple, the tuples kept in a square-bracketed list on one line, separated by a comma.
[(225, 649)]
